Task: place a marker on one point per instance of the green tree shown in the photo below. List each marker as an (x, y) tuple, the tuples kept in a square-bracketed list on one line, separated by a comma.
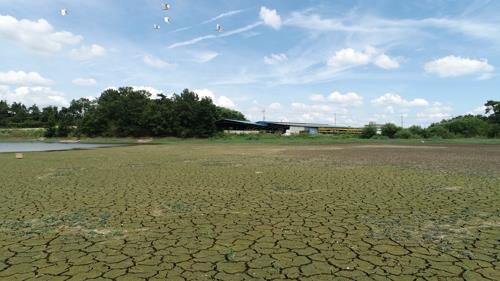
[(193, 117), (493, 108), (368, 131), (34, 113), (20, 114), (389, 130), (438, 130), (49, 114), (91, 125), (64, 123), (160, 117), (226, 113), (467, 126), (4, 113), (123, 111), (79, 107), (494, 131)]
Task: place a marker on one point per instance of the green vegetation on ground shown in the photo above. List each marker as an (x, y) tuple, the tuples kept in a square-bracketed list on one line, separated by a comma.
[(258, 139)]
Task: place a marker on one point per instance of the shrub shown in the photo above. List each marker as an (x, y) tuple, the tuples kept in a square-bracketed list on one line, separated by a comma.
[(389, 130), (439, 131), (418, 131), (368, 131), (379, 137), (494, 131), (404, 134), (467, 126)]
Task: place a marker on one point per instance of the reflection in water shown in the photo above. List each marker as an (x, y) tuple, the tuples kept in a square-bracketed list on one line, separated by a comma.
[(39, 146)]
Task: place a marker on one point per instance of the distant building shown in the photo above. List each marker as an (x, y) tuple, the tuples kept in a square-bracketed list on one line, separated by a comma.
[(378, 126), (286, 128)]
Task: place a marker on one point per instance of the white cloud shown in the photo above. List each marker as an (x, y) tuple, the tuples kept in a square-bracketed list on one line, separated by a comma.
[(22, 78), (37, 35), (270, 17), (436, 112), (453, 66), (386, 62), (220, 100), (155, 62), (41, 96), (350, 98), (202, 93), (88, 52), (153, 91), (275, 106), (225, 102), (302, 107), (84, 82), (480, 110), (317, 97), (349, 57), (275, 58), (391, 99), (204, 56), (323, 113)]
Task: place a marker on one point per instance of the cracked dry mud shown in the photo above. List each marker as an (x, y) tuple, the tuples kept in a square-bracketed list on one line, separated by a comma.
[(252, 212)]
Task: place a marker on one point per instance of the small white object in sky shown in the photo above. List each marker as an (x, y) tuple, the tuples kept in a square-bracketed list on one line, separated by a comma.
[(156, 26), (166, 19), (64, 12), (218, 28), (166, 6)]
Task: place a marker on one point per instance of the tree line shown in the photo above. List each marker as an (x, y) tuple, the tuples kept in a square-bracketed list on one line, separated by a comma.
[(122, 112), (464, 126), (125, 112)]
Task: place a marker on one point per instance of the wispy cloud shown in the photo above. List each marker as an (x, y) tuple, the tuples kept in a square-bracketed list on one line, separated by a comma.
[(156, 62), (191, 41), (373, 24), (212, 36), (223, 15), (181, 29), (205, 56), (242, 29)]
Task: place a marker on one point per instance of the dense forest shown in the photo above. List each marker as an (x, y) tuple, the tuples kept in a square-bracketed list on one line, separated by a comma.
[(465, 126), (122, 112), (127, 112)]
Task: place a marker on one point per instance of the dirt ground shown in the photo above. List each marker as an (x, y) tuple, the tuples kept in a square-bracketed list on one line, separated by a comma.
[(252, 212)]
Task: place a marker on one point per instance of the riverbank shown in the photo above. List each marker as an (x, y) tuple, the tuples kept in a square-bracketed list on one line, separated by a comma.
[(264, 139)]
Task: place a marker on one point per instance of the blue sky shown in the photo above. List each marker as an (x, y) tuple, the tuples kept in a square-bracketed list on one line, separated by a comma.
[(306, 61)]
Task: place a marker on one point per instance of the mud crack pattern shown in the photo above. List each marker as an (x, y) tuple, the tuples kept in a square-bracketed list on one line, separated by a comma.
[(252, 212)]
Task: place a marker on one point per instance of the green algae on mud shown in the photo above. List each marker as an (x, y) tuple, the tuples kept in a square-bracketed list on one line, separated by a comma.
[(198, 211)]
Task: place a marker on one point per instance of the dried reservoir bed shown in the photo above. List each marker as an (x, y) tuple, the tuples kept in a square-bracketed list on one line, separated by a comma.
[(252, 212)]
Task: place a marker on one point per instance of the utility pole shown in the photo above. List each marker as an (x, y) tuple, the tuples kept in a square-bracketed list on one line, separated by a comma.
[(402, 124), (263, 115), (335, 119)]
